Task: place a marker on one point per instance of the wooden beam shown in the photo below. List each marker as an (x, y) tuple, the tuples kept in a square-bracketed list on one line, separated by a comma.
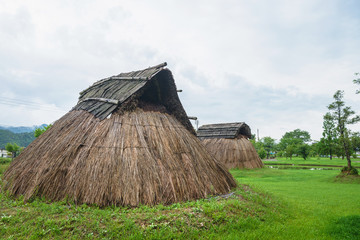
[(192, 118), (106, 100)]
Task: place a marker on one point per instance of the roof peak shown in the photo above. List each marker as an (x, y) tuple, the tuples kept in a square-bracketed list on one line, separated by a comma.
[(224, 130)]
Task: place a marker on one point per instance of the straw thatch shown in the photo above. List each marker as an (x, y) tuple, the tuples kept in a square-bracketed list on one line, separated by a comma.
[(127, 142), (229, 143)]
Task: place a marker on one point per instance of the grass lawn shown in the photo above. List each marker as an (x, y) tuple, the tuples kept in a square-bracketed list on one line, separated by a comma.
[(313, 161), (273, 204), (322, 207)]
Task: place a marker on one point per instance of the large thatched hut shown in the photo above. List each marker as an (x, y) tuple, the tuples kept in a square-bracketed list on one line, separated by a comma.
[(128, 141), (229, 143)]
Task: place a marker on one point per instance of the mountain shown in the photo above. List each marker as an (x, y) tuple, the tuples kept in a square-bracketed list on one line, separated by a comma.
[(21, 139), (21, 129)]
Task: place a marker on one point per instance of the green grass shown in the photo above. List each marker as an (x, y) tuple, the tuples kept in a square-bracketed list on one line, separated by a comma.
[(4, 163), (313, 161), (317, 198), (273, 204)]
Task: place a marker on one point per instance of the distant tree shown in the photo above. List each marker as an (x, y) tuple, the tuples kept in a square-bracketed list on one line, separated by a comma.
[(355, 142), (262, 153), (280, 154), (269, 145), (293, 139), (13, 148), (343, 116), (328, 141), (257, 144), (315, 149), (357, 81), (289, 151), (303, 150), (41, 130)]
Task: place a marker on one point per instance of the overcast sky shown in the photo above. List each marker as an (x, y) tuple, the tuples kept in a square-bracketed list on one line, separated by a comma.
[(274, 64)]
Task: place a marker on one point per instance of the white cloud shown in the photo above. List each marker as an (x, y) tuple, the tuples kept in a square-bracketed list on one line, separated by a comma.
[(274, 64)]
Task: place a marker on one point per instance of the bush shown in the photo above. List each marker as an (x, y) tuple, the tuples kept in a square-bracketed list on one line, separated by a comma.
[(303, 150), (262, 153), (349, 171)]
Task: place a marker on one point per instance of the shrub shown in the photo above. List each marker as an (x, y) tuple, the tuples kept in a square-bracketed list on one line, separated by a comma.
[(349, 171), (262, 153)]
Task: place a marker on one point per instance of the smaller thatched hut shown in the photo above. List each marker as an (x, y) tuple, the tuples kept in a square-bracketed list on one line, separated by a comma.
[(229, 143)]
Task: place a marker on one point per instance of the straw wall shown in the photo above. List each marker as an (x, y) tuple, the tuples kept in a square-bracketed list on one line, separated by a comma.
[(128, 159), (234, 153)]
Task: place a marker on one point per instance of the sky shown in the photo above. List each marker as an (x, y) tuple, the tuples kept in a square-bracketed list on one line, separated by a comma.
[(274, 64)]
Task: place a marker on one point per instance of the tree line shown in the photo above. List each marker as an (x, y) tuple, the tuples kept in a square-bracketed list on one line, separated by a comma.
[(337, 139), (15, 149)]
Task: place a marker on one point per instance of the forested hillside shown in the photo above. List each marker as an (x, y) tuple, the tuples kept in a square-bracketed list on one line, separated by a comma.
[(21, 129), (21, 139)]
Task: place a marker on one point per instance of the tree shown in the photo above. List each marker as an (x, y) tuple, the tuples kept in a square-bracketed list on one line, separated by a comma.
[(315, 149), (343, 116), (13, 148), (328, 140), (355, 142), (289, 151), (295, 137), (357, 81), (291, 140), (268, 144), (262, 153), (303, 150), (41, 130)]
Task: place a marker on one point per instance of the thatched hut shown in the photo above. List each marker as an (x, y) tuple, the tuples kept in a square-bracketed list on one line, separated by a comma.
[(229, 143), (128, 141)]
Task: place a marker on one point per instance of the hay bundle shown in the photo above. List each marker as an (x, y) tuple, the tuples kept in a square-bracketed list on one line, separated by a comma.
[(229, 143), (141, 154)]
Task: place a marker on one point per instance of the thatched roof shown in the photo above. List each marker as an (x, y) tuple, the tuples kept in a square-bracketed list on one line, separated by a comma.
[(128, 141), (155, 84), (224, 130), (103, 97)]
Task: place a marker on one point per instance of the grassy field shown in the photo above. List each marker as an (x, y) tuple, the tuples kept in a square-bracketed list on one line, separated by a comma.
[(313, 161), (322, 206), (272, 204)]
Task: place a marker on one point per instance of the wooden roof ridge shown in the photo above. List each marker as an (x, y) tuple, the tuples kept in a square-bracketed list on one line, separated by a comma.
[(104, 96), (224, 130), (154, 83), (222, 125), (145, 74)]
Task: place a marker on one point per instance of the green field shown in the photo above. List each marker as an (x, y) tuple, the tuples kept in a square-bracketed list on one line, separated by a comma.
[(313, 161), (271, 204)]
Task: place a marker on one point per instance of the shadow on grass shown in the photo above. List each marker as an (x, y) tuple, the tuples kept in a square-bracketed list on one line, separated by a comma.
[(345, 227)]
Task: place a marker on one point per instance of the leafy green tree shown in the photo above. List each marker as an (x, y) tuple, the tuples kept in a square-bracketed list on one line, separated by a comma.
[(291, 140), (41, 130), (343, 116), (262, 153), (269, 145), (357, 81), (315, 149), (303, 150), (328, 141), (295, 137), (355, 142), (289, 151), (13, 148)]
